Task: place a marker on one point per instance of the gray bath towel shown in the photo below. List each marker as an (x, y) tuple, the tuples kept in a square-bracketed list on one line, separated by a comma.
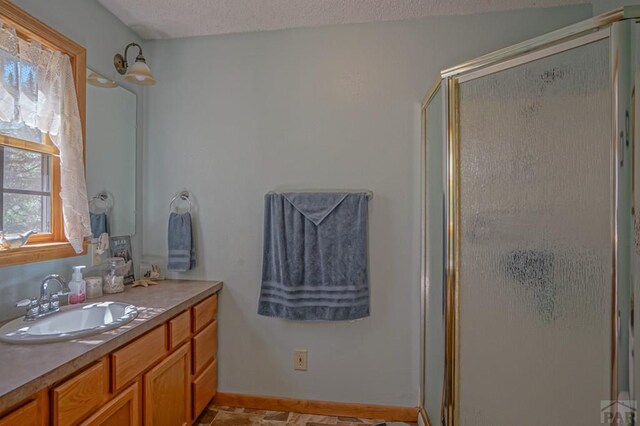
[(315, 256), (99, 224), (182, 252)]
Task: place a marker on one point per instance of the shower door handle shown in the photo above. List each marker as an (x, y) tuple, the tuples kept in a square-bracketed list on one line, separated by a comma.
[(621, 148)]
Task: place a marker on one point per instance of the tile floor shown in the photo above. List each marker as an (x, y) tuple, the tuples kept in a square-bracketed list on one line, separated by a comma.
[(231, 416)]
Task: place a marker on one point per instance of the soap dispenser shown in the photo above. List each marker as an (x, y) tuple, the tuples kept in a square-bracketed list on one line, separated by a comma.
[(77, 286)]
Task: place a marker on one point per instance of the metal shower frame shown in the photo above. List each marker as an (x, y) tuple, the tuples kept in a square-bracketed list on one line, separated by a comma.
[(615, 26)]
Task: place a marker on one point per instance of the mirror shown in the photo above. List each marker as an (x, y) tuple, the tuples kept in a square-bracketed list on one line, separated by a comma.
[(111, 156)]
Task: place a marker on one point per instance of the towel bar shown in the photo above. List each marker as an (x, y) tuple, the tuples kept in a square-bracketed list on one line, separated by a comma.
[(366, 191)]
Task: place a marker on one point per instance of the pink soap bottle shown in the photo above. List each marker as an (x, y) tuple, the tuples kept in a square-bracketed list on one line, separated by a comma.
[(77, 286)]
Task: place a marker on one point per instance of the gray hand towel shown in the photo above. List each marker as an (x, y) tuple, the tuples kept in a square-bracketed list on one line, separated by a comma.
[(315, 257), (99, 224), (182, 252)]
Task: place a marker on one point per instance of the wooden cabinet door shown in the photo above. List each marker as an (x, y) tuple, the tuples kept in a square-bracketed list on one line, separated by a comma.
[(167, 391), (123, 410)]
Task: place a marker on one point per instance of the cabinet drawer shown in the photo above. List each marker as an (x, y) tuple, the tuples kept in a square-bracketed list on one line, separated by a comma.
[(179, 329), (205, 312), (77, 397), (205, 345), (123, 410), (132, 360), (204, 388), (27, 415)]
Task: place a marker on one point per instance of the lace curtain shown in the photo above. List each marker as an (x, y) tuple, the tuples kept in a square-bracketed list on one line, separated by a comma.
[(37, 88)]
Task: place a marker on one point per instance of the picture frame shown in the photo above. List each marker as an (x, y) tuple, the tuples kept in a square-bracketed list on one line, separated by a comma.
[(121, 247)]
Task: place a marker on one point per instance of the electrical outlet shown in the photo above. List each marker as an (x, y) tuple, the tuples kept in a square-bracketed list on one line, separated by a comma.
[(300, 359), (96, 259)]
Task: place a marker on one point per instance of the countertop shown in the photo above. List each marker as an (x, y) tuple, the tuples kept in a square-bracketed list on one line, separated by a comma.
[(27, 369)]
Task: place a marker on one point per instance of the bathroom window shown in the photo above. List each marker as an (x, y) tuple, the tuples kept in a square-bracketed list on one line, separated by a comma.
[(29, 161), (29, 187), (25, 179)]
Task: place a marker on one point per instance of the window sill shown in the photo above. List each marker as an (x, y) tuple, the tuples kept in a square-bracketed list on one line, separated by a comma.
[(38, 253)]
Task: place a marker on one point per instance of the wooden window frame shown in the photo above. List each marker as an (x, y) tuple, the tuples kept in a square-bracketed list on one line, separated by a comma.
[(51, 245)]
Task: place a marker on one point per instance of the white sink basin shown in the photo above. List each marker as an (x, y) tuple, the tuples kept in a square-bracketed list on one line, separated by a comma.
[(70, 323)]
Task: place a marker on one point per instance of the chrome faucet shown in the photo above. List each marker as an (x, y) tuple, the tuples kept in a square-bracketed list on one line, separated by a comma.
[(46, 304), (64, 288)]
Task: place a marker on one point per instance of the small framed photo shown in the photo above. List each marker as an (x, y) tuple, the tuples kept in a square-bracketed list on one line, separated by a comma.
[(121, 247)]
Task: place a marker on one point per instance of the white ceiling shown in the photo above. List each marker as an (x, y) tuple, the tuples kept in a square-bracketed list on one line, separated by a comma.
[(153, 19)]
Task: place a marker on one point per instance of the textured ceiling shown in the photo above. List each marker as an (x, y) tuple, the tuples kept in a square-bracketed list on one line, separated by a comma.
[(185, 18)]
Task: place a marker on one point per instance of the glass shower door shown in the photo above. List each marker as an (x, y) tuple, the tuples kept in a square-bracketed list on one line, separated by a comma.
[(535, 253), (433, 251)]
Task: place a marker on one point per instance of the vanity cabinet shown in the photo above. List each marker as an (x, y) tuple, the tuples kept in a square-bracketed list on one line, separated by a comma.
[(167, 376)]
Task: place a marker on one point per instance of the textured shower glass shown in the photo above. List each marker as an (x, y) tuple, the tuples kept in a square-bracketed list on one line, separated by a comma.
[(434, 303), (634, 343), (536, 243)]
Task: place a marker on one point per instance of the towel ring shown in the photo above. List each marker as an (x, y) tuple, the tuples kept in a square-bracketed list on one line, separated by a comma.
[(102, 197), (182, 195)]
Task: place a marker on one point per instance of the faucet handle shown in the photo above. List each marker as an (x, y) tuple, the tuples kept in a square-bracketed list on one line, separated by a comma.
[(32, 307), (23, 303), (55, 302), (45, 305), (28, 303)]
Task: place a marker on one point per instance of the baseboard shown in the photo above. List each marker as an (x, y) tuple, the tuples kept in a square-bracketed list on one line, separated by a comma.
[(367, 411)]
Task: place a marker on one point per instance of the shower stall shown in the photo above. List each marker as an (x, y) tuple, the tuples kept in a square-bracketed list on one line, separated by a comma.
[(530, 234)]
